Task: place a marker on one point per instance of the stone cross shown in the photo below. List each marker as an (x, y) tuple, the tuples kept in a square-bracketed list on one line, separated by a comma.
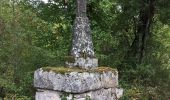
[(82, 46)]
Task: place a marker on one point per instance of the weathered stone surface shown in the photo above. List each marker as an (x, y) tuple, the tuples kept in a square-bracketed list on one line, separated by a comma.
[(85, 63), (82, 45), (75, 82), (82, 38), (101, 94), (81, 8), (47, 95)]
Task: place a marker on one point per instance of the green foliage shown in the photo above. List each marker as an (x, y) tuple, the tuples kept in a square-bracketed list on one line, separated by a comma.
[(64, 96), (34, 34)]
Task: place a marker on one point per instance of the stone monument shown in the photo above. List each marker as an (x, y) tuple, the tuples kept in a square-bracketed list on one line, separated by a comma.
[(82, 53), (81, 79)]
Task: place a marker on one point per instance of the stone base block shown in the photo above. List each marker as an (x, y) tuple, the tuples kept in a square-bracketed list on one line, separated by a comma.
[(75, 80), (101, 94), (85, 63)]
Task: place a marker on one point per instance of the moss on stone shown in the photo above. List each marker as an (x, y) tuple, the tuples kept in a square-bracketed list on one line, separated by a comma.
[(64, 70), (83, 55), (70, 59)]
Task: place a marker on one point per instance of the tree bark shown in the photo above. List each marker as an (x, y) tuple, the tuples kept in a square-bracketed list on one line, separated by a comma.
[(137, 49)]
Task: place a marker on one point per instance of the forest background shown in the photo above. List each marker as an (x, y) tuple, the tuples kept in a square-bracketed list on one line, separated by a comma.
[(132, 36)]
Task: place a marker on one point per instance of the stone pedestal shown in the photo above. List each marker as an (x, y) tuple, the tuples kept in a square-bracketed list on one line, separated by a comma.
[(57, 83)]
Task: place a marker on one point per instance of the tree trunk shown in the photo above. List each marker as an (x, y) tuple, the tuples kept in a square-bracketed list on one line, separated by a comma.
[(137, 49)]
